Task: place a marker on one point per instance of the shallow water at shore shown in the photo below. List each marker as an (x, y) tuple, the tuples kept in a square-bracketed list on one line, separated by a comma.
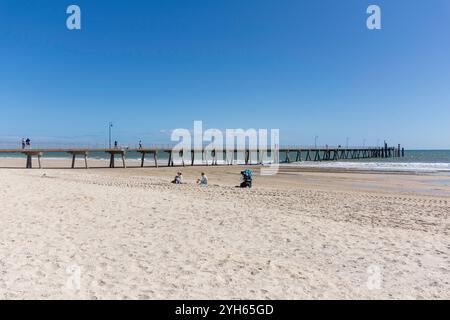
[(413, 167)]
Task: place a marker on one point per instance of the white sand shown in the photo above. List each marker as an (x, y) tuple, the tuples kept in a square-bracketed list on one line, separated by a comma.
[(131, 234)]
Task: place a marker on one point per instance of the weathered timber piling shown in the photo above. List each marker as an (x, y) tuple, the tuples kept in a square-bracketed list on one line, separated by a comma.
[(113, 153), (30, 154), (144, 152), (74, 154)]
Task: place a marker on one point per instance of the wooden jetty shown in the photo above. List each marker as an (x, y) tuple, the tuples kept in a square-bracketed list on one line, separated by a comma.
[(250, 156)]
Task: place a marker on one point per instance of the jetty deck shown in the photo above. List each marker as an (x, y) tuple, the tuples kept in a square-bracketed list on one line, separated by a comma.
[(211, 156)]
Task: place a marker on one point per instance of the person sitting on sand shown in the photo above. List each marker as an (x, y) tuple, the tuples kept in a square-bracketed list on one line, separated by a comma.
[(178, 178), (247, 177), (203, 181)]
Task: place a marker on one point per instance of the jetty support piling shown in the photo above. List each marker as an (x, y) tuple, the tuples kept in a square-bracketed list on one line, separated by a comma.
[(144, 152), (76, 153), (113, 153), (30, 154)]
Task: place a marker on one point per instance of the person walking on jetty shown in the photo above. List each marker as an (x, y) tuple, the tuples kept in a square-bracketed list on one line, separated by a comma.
[(23, 143), (140, 144), (115, 144), (28, 143)]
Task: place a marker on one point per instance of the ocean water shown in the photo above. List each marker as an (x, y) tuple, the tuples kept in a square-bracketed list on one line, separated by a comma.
[(420, 161)]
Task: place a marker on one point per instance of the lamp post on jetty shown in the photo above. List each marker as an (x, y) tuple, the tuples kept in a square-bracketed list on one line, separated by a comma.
[(110, 125)]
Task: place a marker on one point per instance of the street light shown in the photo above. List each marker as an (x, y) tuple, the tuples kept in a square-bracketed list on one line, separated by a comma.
[(110, 125)]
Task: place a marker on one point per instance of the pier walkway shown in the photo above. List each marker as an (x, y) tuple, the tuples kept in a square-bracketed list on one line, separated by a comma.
[(211, 156)]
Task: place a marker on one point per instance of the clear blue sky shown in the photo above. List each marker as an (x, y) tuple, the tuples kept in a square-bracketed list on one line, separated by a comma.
[(305, 67)]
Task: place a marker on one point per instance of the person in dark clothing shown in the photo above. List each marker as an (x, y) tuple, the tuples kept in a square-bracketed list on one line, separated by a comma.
[(246, 179), (115, 144), (23, 143), (28, 143)]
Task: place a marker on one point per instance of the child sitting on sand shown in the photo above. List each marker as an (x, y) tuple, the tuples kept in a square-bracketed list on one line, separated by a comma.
[(203, 181), (178, 178)]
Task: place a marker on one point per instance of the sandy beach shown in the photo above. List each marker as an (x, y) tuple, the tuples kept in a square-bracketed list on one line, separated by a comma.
[(302, 234)]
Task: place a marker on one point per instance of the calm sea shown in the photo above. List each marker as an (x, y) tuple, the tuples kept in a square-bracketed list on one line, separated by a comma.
[(413, 161)]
